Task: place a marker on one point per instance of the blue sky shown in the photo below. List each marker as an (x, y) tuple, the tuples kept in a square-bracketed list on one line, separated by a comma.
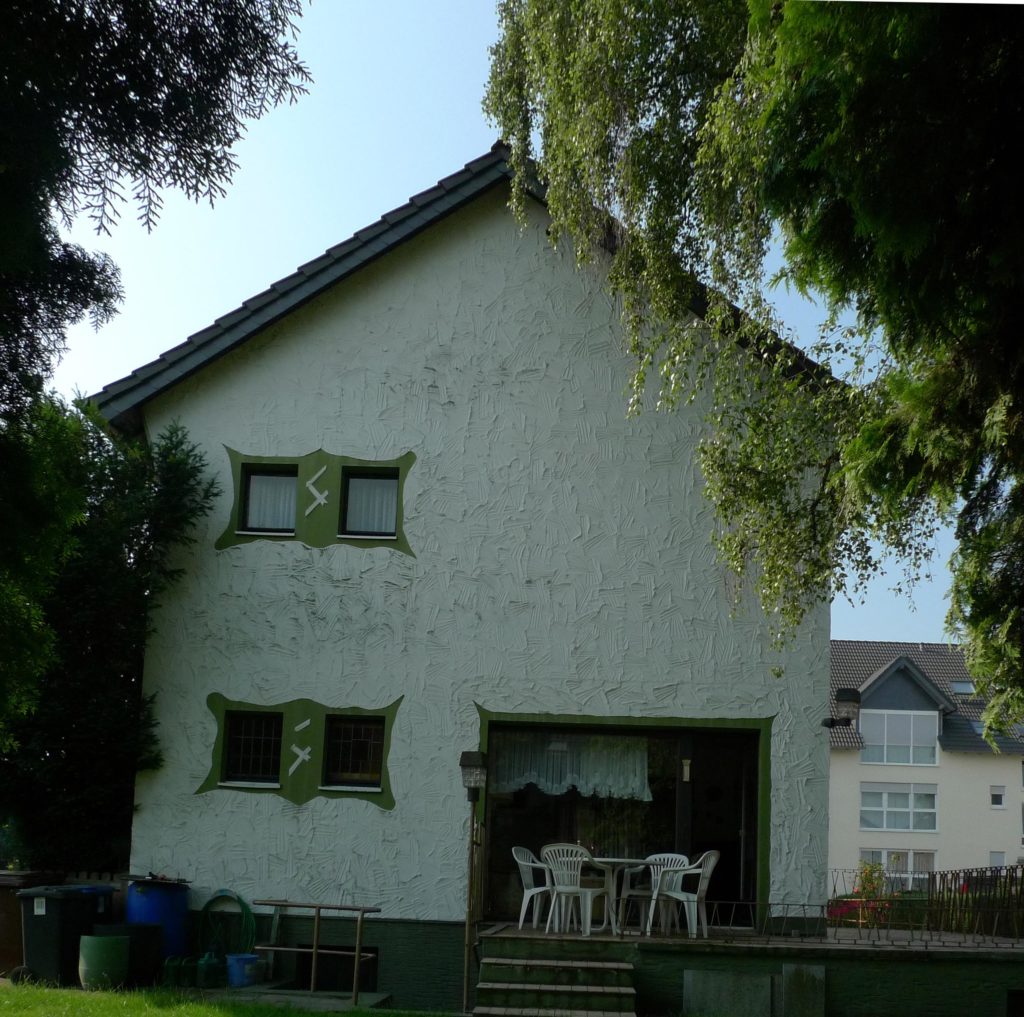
[(395, 106)]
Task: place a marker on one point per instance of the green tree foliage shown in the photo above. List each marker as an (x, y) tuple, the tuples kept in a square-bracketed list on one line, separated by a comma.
[(102, 103), (875, 144), (100, 99), (68, 767)]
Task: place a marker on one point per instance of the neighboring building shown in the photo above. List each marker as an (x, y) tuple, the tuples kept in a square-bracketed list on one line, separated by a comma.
[(918, 788), (439, 532)]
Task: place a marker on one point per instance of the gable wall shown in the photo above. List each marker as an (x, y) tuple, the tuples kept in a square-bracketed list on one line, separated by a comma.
[(561, 567), (898, 692)]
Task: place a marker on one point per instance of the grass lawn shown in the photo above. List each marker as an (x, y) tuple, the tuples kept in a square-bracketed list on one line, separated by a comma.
[(35, 1001)]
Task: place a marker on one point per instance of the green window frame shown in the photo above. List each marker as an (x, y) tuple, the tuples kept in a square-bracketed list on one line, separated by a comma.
[(353, 751), (252, 473), (252, 747), (359, 506)]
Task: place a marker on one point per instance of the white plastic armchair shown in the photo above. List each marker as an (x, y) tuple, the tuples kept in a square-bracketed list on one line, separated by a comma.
[(536, 877), (566, 862), (670, 888), (642, 894)]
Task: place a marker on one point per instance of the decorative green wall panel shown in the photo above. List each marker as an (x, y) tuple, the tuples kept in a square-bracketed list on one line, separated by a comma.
[(302, 746), (318, 502)]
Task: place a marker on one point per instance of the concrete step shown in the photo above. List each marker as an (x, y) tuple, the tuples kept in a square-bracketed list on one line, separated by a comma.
[(611, 998), (555, 972), (503, 1011)]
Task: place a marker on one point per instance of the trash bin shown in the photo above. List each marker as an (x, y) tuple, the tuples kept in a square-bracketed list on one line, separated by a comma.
[(54, 919), (165, 903), (145, 950), (11, 881)]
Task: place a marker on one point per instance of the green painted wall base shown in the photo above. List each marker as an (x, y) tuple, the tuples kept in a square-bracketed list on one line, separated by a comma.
[(713, 979), (419, 964)]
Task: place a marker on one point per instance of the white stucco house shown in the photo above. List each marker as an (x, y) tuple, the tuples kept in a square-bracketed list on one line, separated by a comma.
[(439, 532), (917, 788)]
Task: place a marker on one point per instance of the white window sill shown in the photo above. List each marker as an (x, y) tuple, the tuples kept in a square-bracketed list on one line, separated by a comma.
[(367, 536), (866, 762), (264, 533), (249, 783), (376, 788)]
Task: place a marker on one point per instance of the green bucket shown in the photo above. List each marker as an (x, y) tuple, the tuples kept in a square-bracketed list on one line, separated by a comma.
[(103, 961)]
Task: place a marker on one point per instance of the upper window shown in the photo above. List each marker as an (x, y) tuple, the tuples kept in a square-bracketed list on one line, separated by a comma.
[(353, 751), (252, 747), (898, 807), (899, 736), (269, 499), (319, 499), (997, 796), (369, 502), (962, 688)]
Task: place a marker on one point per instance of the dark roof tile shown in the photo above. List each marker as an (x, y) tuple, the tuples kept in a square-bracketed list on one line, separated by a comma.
[(854, 661)]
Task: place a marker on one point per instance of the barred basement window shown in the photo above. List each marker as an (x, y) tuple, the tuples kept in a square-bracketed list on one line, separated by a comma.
[(353, 751), (252, 748)]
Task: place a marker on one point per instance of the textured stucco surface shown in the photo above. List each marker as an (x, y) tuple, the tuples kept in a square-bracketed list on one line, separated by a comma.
[(562, 566)]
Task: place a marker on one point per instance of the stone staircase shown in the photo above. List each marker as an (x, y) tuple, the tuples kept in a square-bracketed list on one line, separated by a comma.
[(536, 984)]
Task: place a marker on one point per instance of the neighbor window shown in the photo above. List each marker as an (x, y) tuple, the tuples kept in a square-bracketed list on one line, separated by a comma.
[(899, 736), (353, 751), (268, 499), (369, 502), (898, 807), (252, 747), (997, 797), (962, 688), (996, 859), (904, 869)]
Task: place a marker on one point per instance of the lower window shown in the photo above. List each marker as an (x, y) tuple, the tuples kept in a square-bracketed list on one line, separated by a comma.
[(252, 747), (353, 751), (301, 750), (905, 869)]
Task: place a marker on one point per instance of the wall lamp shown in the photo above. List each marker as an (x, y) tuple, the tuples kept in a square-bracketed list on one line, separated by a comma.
[(474, 773), (847, 709)]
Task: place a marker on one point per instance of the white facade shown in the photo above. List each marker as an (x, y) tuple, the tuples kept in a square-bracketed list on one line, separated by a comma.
[(970, 831), (562, 566)]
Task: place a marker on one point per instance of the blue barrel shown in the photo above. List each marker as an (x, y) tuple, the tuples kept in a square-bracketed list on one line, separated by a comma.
[(162, 902)]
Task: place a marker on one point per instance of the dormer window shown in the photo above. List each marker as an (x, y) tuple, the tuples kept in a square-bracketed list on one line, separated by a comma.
[(903, 737), (962, 688)]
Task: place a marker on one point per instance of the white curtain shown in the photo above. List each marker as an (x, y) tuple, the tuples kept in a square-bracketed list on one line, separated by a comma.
[(610, 766), (371, 505), (271, 502)]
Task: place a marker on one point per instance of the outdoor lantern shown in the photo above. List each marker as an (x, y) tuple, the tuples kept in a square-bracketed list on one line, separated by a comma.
[(474, 773), (847, 709)]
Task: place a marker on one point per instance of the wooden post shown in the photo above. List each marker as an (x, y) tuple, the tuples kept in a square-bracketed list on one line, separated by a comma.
[(468, 945)]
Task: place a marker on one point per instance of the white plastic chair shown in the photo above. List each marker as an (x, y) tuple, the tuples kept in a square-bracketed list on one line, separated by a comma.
[(536, 877), (566, 863), (670, 888), (653, 864)]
